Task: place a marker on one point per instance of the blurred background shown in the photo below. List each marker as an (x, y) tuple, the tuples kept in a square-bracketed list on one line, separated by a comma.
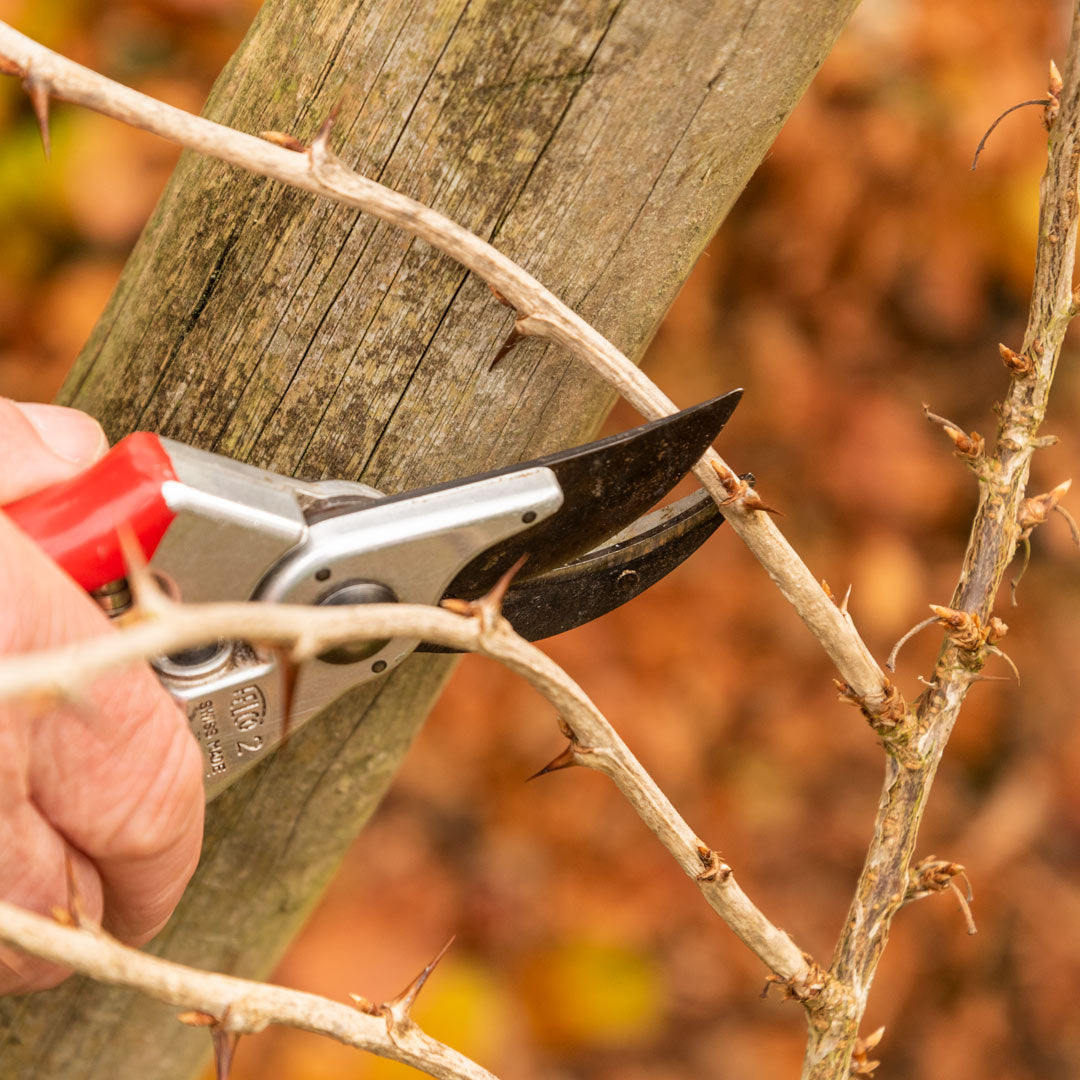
[(865, 270)]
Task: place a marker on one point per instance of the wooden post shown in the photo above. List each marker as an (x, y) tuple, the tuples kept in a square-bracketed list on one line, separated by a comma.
[(597, 142)]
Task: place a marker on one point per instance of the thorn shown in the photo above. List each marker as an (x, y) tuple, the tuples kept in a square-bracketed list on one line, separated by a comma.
[(487, 608), (1005, 656), (320, 145), (1023, 568), (990, 129), (967, 884), (506, 347), (76, 904), (968, 446), (492, 600), (364, 1005), (499, 296), (965, 905), (397, 1009), (1021, 366), (917, 628), (844, 602), (224, 1041), (753, 501), (1071, 521), (14, 962), (563, 760), (224, 1048), (284, 140), (290, 671), (39, 98), (932, 875), (148, 597)]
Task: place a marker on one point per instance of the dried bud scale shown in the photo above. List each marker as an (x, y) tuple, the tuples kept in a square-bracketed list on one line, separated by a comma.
[(967, 445), (1054, 87), (1037, 509), (1018, 364), (284, 140)]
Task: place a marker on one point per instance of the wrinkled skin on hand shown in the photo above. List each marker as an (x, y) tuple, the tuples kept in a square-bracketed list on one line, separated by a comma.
[(115, 782)]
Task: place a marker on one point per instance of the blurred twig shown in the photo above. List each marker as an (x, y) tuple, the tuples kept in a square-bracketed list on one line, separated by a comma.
[(915, 746)]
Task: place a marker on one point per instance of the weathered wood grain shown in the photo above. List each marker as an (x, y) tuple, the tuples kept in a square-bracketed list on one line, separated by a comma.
[(598, 142)]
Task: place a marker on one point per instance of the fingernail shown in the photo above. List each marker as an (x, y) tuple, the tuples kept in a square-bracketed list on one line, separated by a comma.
[(68, 433)]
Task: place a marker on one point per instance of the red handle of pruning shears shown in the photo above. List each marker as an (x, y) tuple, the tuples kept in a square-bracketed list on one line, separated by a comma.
[(77, 522)]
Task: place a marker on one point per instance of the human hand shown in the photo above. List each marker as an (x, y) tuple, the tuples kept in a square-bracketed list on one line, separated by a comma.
[(115, 782)]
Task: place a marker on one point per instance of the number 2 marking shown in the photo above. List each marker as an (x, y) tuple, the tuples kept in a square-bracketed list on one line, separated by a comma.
[(255, 743)]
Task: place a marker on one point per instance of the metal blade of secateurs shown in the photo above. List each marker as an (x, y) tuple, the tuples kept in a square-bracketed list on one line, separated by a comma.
[(609, 575), (606, 486)]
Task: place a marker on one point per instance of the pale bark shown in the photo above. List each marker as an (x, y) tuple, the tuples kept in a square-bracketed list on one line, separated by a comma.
[(1004, 517)]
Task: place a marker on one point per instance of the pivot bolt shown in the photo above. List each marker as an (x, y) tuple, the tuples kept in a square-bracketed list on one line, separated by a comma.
[(356, 592)]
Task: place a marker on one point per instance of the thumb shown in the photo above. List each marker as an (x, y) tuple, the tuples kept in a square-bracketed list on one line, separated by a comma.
[(43, 444)]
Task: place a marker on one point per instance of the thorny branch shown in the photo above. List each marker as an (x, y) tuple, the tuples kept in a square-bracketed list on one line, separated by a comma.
[(1003, 520), (230, 1005), (166, 627), (915, 735), (539, 313)]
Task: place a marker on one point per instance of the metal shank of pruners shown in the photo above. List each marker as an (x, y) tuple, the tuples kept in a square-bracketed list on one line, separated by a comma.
[(242, 533)]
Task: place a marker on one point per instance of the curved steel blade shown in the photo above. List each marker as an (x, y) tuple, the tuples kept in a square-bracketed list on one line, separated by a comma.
[(606, 485), (610, 575)]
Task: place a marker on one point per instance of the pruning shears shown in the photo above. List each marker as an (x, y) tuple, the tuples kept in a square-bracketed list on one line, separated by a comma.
[(214, 529)]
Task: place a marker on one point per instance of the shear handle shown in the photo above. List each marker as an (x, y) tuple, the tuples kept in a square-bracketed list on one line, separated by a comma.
[(77, 522)]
